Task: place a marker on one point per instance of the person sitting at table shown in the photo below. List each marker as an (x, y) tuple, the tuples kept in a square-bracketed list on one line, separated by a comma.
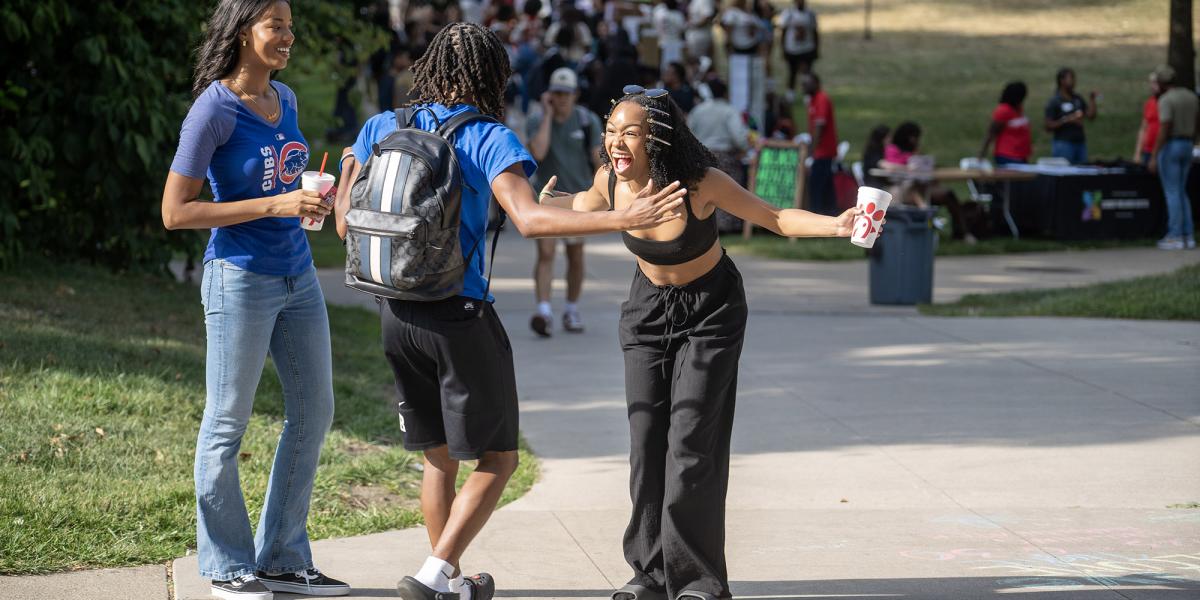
[(872, 156), (1065, 112), (1009, 128), (896, 157)]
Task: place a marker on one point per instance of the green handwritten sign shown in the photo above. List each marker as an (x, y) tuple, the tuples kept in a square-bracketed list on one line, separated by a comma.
[(775, 178)]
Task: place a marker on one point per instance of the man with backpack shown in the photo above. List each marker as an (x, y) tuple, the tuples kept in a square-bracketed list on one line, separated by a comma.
[(565, 139), (414, 219)]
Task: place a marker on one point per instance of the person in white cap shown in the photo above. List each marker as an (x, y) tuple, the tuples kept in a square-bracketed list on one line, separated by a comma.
[(565, 140)]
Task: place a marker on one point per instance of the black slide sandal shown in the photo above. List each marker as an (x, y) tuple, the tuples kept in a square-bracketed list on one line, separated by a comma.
[(693, 595), (483, 587), (633, 591)]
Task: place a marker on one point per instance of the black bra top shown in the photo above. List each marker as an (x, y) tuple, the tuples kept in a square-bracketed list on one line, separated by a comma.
[(697, 237)]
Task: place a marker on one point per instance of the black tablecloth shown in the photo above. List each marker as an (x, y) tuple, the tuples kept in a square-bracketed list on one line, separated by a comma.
[(1075, 207)]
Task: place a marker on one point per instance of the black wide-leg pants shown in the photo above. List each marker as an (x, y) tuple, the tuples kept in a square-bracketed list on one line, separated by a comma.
[(681, 346)]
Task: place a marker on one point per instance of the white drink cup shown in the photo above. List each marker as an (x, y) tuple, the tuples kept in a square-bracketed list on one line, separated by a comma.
[(320, 183), (874, 203)]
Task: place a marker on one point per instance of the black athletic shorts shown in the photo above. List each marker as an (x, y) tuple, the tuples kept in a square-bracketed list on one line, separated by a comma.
[(794, 60), (454, 375)]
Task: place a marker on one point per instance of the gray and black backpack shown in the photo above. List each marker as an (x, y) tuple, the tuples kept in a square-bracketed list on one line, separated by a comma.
[(404, 215)]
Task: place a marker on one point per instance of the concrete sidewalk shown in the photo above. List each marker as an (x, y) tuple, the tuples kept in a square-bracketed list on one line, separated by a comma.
[(838, 287), (877, 453)]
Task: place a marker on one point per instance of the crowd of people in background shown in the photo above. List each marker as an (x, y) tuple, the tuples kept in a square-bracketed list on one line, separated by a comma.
[(572, 59), (670, 44), (609, 44)]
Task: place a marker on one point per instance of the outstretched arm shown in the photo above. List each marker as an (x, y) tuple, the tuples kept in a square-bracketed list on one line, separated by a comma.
[(724, 193), (593, 199), (516, 197)]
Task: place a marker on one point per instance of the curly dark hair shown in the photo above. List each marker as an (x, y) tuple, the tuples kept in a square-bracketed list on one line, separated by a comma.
[(1014, 94), (465, 63), (686, 160), (218, 53)]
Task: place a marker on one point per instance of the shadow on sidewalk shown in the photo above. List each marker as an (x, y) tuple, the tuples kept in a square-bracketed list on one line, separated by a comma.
[(956, 588)]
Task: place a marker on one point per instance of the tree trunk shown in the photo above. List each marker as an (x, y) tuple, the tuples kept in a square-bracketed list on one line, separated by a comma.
[(1181, 51), (867, 20)]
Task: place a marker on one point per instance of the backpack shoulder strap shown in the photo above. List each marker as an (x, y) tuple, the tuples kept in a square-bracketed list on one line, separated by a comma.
[(403, 116), (448, 128), (487, 288), (584, 117)]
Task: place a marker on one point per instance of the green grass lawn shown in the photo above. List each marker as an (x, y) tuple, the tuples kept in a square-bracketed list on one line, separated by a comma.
[(1174, 296), (773, 246), (101, 395), (327, 248), (943, 63)]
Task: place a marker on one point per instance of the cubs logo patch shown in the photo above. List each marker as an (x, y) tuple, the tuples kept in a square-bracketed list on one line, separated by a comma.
[(294, 158)]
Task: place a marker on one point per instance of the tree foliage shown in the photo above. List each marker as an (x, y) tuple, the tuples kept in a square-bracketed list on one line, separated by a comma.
[(92, 95)]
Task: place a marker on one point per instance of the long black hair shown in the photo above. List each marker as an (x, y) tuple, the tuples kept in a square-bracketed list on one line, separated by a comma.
[(1014, 94), (906, 135), (875, 142), (218, 53), (686, 160), (465, 62)]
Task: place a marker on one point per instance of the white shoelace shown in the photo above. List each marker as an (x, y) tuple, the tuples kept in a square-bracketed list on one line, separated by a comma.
[(309, 575), (245, 579)]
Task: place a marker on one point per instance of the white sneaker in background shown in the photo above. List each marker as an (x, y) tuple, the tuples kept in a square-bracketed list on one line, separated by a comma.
[(572, 322), (1171, 244)]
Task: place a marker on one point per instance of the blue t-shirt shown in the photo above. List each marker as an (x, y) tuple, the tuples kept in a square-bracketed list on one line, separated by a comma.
[(484, 150), (244, 156)]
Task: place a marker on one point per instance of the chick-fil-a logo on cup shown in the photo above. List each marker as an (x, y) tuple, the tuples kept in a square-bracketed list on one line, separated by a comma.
[(874, 203)]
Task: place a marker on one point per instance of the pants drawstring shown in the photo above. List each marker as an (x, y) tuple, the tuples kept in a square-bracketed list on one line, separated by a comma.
[(676, 312)]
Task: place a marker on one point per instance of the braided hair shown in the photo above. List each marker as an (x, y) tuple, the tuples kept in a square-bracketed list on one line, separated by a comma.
[(465, 63), (686, 160)]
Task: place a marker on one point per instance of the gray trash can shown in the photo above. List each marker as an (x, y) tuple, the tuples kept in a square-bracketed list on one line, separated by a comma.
[(902, 258)]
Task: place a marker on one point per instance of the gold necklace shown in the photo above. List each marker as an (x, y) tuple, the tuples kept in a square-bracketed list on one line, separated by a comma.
[(271, 116)]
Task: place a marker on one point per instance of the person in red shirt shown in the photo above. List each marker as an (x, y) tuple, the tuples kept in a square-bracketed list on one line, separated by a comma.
[(1009, 128), (823, 129), (1148, 132)]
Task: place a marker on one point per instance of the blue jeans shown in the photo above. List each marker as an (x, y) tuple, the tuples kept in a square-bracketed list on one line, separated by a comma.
[(1076, 152), (247, 315), (1174, 161)]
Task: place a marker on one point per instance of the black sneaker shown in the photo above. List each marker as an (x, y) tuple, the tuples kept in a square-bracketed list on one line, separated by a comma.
[(309, 582), (246, 587), (411, 589), (540, 324)]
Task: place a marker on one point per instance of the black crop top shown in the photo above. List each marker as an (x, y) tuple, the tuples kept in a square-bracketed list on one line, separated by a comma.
[(697, 237)]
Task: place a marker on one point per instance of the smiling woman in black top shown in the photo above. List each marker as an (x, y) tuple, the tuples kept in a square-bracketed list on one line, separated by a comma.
[(681, 332)]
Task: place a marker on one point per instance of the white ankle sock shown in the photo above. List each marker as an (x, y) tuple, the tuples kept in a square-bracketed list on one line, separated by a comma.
[(435, 574), (545, 309), (572, 307), (458, 586)]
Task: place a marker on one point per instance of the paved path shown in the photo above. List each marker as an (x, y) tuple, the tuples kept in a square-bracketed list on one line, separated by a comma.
[(877, 453)]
